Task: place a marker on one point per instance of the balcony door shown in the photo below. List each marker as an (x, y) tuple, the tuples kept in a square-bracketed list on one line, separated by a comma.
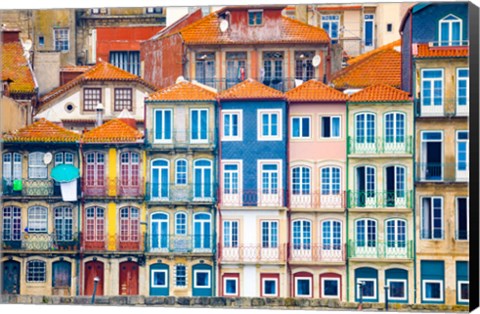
[(395, 187), (431, 156), (159, 228), (95, 173), (203, 180), (331, 241), (302, 240), (365, 189), (394, 133), (364, 133), (202, 229), (129, 173), (160, 175)]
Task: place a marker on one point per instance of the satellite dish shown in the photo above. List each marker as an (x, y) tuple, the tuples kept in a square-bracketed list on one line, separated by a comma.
[(47, 158), (179, 79), (223, 25), (27, 45), (316, 61)]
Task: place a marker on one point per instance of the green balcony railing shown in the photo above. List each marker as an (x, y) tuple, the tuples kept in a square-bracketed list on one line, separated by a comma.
[(380, 249), (167, 192), (187, 244), (31, 187), (377, 199), (380, 145), (42, 242), (442, 172)]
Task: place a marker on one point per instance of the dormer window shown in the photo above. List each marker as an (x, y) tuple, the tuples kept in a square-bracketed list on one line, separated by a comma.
[(450, 31), (255, 17)]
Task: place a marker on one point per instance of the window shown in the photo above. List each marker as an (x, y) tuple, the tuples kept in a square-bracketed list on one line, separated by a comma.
[(94, 222), (330, 180), (201, 279), (123, 99), (462, 219), (36, 271), (462, 168), (432, 290), (95, 170), (230, 286), (91, 98), (397, 289), (450, 31), (432, 218), (331, 235), (180, 224), (129, 169), (368, 287), (365, 187), (129, 224), (272, 72), (304, 69), (364, 130), (303, 286), (232, 125), (154, 10), (302, 230), (395, 183), (431, 96), (202, 231), (463, 291), (12, 223), (389, 27), (37, 219), (63, 158), (12, 167), (394, 129), (159, 226), (431, 156), (269, 287), (41, 41), (230, 234), (63, 223), (330, 288), (270, 182), (301, 179), (231, 183), (126, 60), (181, 172), (269, 234), (366, 233), (300, 127), (236, 67), (369, 30), (159, 278), (160, 179), (61, 39), (37, 169), (463, 88), (269, 125), (199, 125), (330, 127), (331, 23), (205, 68), (180, 275), (255, 17), (396, 233), (202, 170), (163, 126)]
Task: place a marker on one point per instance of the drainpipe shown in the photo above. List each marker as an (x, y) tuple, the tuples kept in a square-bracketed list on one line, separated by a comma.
[(77, 260), (219, 199), (289, 218), (346, 206), (215, 206), (80, 223)]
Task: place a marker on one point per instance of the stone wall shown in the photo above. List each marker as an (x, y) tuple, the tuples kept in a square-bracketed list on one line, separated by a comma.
[(222, 302)]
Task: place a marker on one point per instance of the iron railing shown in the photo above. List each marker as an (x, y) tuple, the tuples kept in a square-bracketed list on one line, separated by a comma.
[(32, 188), (380, 145), (314, 252), (114, 187), (442, 172), (377, 199), (115, 242), (252, 253), (317, 200), (167, 192), (273, 197), (380, 249), (172, 243), (180, 140), (43, 242)]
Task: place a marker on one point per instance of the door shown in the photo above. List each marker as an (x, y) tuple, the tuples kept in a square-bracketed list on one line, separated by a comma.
[(202, 238), (365, 194), (160, 179), (394, 133), (93, 269), (203, 180), (159, 279), (302, 248), (128, 278), (431, 156), (11, 277), (395, 187), (61, 275), (129, 170), (95, 174), (159, 237), (364, 133), (202, 281), (331, 241)]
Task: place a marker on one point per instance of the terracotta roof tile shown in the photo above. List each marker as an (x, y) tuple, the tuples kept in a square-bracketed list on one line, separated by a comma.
[(42, 131), (393, 44), (250, 89), (314, 91), (281, 30), (15, 67), (424, 51), (114, 131), (183, 91), (383, 67), (380, 93), (102, 71)]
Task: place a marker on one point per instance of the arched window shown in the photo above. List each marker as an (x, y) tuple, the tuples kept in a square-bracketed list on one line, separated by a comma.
[(302, 238), (181, 172), (394, 131), (203, 179), (366, 233), (159, 177), (301, 178), (159, 226), (450, 31), (94, 224), (129, 224), (129, 169), (330, 180), (95, 169), (180, 224), (331, 235)]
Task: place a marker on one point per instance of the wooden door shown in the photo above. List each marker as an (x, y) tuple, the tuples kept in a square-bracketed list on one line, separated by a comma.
[(11, 277), (93, 269), (128, 278)]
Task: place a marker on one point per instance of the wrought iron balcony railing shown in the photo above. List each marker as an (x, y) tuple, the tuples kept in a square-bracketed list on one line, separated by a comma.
[(301, 199), (380, 145), (167, 192), (314, 252), (249, 253), (442, 172), (187, 244), (32, 188), (380, 249), (377, 199), (116, 242), (446, 108), (271, 197), (43, 242), (119, 187), (162, 140)]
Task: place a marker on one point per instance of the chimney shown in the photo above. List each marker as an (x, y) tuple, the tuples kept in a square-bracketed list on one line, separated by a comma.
[(99, 110), (10, 35)]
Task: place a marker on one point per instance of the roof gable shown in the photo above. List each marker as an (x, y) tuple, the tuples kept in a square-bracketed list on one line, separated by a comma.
[(15, 67), (250, 89), (42, 131), (380, 93), (314, 91), (113, 131), (183, 91)]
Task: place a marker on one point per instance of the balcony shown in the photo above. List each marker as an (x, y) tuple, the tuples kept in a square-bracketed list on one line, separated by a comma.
[(257, 198), (380, 145), (180, 140), (300, 253), (442, 172), (114, 188), (173, 193), (182, 244), (379, 249), (448, 108), (252, 253), (42, 242), (318, 200), (133, 243), (31, 187), (376, 199)]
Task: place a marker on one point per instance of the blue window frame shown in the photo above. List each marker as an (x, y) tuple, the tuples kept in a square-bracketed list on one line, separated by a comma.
[(397, 282), (255, 17), (366, 282), (462, 151), (431, 88), (368, 30), (301, 179), (163, 125), (450, 31), (463, 285), (199, 125), (331, 24), (160, 175), (300, 127)]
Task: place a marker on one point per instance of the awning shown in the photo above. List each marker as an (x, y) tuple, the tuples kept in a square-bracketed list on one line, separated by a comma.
[(65, 173)]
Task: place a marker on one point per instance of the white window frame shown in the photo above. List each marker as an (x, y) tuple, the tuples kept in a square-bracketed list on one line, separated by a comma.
[(61, 158), (365, 20), (239, 136), (37, 169), (462, 109), (310, 287), (300, 125), (433, 238), (457, 141), (185, 224), (423, 153), (230, 236), (424, 283), (331, 127), (176, 171), (62, 38), (337, 296), (153, 272), (423, 107), (269, 137), (405, 291), (206, 271), (264, 294), (459, 290), (270, 227), (163, 139), (457, 222), (199, 140), (225, 278), (300, 183), (329, 20), (40, 219), (272, 202), (239, 163), (450, 22), (374, 280), (12, 169)]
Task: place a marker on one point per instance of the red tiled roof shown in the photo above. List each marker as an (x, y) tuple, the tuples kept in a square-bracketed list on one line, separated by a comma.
[(250, 89), (183, 91), (380, 93), (281, 30), (424, 51), (383, 67), (313, 91), (393, 44), (42, 131), (15, 67), (113, 131), (102, 71)]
